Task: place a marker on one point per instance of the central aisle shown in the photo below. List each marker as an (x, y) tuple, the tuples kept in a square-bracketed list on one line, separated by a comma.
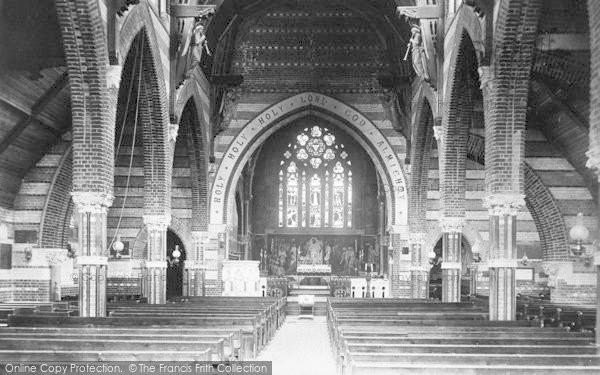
[(300, 347)]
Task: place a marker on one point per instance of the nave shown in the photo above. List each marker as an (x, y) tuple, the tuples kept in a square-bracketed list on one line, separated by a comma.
[(377, 336)]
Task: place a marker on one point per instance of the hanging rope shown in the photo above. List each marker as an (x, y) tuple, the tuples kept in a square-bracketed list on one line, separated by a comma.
[(138, 61)]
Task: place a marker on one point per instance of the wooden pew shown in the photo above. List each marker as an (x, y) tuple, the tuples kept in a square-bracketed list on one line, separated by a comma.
[(254, 318), (60, 355), (236, 344), (244, 323), (7, 308), (396, 337), (216, 346), (268, 322)]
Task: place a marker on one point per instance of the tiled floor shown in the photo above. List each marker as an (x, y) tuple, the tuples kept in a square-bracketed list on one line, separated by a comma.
[(300, 347)]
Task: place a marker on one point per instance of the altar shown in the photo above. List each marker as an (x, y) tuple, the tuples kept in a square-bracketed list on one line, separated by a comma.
[(288, 254), (314, 269)]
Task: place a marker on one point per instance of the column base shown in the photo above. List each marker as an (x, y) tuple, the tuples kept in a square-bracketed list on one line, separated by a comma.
[(502, 294), (155, 283), (194, 282), (92, 290), (419, 283), (450, 285)]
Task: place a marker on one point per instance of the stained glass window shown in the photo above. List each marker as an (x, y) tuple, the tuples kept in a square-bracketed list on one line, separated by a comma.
[(292, 195), (315, 181)]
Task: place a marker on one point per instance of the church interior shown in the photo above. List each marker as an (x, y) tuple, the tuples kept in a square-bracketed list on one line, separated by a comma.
[(330, 187)]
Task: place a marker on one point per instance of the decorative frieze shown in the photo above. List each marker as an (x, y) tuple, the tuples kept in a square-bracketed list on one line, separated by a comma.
[(113, 76), (504, 204), (92, 202), (452, 224), (157, 222)]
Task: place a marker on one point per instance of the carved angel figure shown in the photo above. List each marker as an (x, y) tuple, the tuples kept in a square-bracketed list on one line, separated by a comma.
[(195, 45), (419, 58)]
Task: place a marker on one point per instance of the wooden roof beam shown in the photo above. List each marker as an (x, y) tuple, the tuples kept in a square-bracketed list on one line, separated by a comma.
[(36, 110)]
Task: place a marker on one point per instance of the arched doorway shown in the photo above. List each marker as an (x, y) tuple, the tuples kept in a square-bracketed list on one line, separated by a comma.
[(435, 274), (175, 265)]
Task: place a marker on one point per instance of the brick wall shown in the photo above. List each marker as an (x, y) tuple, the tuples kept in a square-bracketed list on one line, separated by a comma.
[(85, 46), (574, 294), (43, 198), (59, 208), (31, 290), (6, 290)]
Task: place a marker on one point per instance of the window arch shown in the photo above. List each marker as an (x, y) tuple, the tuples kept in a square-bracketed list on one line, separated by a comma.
[(315, 181)]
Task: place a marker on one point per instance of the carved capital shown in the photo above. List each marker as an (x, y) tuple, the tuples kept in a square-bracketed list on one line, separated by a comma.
[(417, 238), (487, 79), (504, 204), (228, 108), (91, 201), (157, 223), (438, 134), (199, 236), (402, 230), (56, 257), (593, 161), (113, 76), (173, 132), (452, 224), (551, 269)]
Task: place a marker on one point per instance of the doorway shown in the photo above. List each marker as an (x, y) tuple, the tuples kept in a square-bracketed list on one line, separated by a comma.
[(435, 274), (175, 265)]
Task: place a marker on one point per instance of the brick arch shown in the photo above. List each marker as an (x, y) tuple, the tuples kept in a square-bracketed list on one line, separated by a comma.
[(467, 23), (153, 110), (422, 139), (506, 93), (177, 226), (86, 54), (456, 117), (58, 207), (434, 235), (193, 133), (594, 117), (548, 220), (273, 118), (542, 206)]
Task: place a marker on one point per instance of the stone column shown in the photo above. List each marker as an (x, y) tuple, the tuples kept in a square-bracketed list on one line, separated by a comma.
[(194, 272), (91, 211), (419, 269), (155, 267), (593, 155), (473, 282), (597, 264), (400, 278), (215, 251), (502, 261), (55, 260), (247, 229), (451, 264)]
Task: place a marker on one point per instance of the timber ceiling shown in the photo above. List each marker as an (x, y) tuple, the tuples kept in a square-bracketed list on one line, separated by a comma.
[(34, 94), (559, 89)]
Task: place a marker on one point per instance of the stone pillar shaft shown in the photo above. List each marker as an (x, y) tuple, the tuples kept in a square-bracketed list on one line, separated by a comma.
[(194, 272), (451, 265), (502, 264), (156, 264), (419, 273), (91, 213), (473, 282)]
